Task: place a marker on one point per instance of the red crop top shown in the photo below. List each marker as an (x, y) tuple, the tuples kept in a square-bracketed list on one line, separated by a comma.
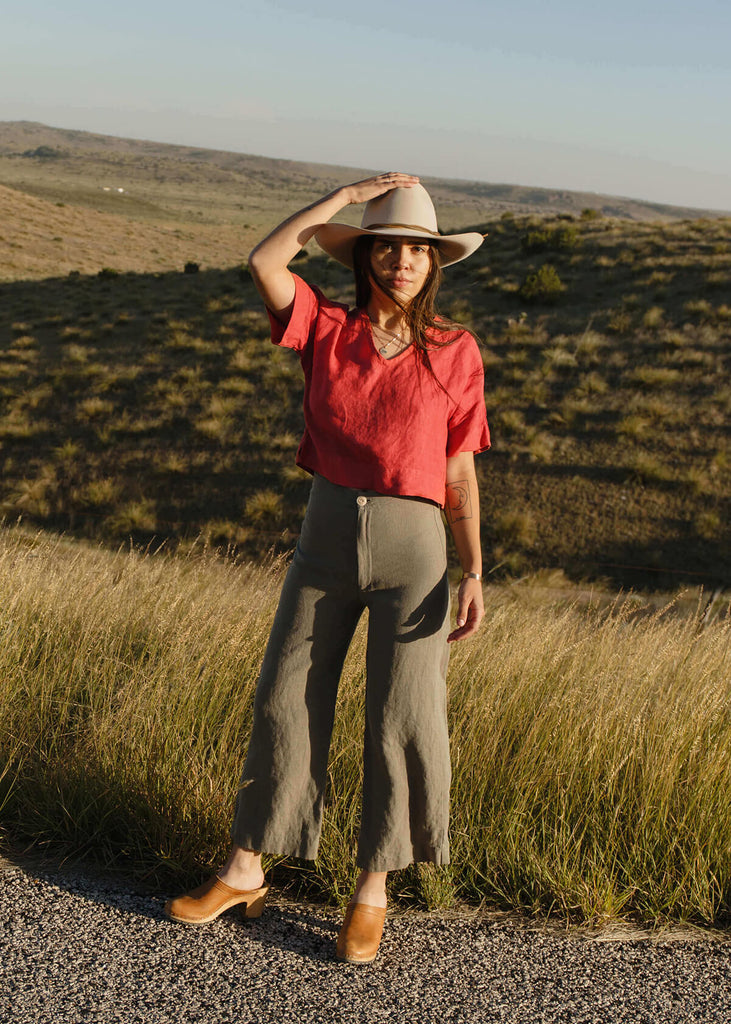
[(381, 424)]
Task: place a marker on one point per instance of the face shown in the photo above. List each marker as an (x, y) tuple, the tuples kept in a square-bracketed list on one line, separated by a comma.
[(402, 264)]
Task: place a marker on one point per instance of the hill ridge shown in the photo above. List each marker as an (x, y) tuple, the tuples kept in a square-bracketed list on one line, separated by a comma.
[(479, 199)]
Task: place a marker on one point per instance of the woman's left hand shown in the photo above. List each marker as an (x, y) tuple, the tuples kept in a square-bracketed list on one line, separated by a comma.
[(470, 610)]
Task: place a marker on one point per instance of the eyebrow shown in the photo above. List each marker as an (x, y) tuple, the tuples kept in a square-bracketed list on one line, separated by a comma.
[(403, 239)]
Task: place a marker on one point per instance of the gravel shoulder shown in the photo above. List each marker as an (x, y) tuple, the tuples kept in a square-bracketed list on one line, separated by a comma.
[(77, 946)]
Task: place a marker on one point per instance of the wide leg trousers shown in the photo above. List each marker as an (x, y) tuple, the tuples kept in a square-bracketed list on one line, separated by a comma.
[(357, 550)]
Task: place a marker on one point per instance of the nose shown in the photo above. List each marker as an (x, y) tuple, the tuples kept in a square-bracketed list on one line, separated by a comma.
[(401, 255)]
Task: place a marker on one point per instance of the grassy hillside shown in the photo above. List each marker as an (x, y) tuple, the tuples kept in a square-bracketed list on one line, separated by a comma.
[(40, 239), (134, 205), (150, 405)]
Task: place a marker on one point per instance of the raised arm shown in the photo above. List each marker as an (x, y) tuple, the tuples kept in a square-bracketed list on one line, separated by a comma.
[(463, 515), (268, 260)]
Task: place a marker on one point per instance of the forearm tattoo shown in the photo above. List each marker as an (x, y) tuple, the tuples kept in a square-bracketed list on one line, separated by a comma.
[(459, 501)]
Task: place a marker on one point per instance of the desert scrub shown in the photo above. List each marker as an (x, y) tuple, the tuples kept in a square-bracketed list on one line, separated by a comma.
[(633, 426), (542, 286), (264, 505), (516, 528), (653, 318), (645, 468), (133, 517), (591, 750), (654, 376), (179, 414), (543, 239)]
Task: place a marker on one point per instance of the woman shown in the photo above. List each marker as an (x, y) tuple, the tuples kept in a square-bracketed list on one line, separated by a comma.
[(394, 412)]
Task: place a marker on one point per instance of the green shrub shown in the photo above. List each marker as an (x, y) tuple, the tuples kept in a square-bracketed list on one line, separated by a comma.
[(536, 241), (541, 240), (566, 237), (543, 286)]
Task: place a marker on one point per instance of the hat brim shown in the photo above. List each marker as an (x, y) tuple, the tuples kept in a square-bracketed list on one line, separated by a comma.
[(338, 240)]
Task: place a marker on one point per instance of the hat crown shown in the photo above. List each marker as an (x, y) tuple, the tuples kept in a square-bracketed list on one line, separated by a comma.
[(402, 207)]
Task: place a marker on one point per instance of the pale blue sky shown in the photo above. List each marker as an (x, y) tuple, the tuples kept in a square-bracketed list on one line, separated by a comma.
[(627, 98)]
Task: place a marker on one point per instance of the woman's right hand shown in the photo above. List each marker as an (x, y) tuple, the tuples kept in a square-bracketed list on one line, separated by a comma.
[(370, 188)]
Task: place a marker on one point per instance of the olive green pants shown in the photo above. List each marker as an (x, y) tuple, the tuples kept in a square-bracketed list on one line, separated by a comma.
[(357, 550)]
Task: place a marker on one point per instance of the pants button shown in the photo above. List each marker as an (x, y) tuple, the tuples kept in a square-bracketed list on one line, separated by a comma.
[(362, 500)]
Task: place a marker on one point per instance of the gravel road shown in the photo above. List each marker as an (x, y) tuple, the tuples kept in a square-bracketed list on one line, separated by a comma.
[(78, 947)]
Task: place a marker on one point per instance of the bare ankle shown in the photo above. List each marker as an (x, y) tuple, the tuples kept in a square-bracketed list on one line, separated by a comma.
[(243, 869), (371, 888)]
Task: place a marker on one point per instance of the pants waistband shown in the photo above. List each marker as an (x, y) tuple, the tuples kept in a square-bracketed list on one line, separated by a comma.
[(349, 493)]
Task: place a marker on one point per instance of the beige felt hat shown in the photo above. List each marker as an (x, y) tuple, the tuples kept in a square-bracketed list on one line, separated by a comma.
[(405, 213)]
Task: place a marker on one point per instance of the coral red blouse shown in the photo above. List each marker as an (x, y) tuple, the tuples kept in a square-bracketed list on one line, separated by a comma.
[(381, 424)]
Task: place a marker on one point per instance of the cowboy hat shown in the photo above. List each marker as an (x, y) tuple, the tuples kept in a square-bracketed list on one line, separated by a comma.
[(401, 212)]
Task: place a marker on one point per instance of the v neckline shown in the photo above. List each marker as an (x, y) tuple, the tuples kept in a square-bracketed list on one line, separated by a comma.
[(374, 344)]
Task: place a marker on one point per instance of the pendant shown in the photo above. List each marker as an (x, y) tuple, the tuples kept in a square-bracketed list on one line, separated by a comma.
[(383, 350)]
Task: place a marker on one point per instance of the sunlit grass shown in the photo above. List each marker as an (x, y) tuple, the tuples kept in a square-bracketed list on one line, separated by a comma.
[(591, 745)]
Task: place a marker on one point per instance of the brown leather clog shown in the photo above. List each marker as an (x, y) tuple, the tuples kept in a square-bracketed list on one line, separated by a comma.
[(360, 935), (209, 901)]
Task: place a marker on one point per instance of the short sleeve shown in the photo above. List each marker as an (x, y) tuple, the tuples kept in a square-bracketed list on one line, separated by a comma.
[(296, 333), (467, 429)]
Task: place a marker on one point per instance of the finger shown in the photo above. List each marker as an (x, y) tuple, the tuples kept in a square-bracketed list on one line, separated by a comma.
[(467, 623), (463, 633), (462, 624), (398, 179), (460, 634), (463, 610), (379, 184)]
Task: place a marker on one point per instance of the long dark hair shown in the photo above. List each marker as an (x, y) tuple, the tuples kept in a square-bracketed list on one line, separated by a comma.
[(420, 314)]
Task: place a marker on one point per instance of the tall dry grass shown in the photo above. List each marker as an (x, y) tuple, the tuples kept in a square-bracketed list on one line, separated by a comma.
[(591, 749)]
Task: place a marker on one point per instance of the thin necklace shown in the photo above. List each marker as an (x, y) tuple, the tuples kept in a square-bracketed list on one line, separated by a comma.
[(395, 338)]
